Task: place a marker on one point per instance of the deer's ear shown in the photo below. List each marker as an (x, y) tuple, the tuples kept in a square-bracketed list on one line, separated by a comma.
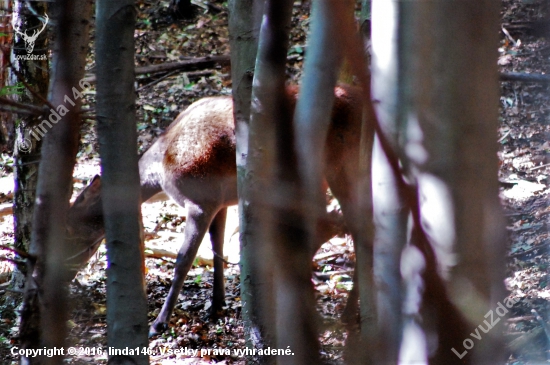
[(90, 193)]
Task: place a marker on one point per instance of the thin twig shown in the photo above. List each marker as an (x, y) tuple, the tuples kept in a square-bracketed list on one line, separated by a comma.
[(28, 162), (524, 77), (509, 36), (224, 260), (539, 167), (161, 258), (538, 248), (504, 136), (187, 65), (15, 250), (11, 109), (36, 110), (157, 80), (18, 263)]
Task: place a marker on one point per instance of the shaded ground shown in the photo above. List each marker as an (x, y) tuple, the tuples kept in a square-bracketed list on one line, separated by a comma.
[(525, 156)]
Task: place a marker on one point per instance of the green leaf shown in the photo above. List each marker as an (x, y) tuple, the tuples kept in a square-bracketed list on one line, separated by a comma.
[(16, 89)]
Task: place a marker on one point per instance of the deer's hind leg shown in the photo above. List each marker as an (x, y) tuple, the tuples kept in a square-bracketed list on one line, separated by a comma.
[(199, 219)]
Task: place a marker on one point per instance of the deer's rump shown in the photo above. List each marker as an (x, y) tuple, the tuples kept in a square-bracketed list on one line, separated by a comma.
[(201, 141)]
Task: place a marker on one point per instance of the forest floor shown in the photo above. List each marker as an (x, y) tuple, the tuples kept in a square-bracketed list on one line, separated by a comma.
[(524, 139), (523, 136)]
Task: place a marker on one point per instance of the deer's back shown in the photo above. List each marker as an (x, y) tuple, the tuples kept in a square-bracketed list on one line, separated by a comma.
[(196, 154), (201, 141)]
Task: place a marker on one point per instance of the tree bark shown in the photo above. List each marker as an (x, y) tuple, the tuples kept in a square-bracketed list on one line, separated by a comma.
[(390, 213), (26, 155), (297, 328), (126, 299), (244, 28), (443, 117), (456, 107), (287, 300), (55, 171), (7, 125)]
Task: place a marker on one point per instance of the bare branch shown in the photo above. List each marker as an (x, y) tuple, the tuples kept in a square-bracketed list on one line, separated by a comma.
[(15, 250), (30, 109)]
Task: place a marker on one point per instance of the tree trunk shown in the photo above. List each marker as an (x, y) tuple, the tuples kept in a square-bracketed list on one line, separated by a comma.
[(7, 125), (55, 170), (453, 73), (26, 155), (287, 296), (439, 119), (297, 327), (117, 132), (390, 208), (244, 27), (362, 339)]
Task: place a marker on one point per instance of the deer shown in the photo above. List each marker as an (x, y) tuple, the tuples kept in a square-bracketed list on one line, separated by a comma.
[(194, 163)]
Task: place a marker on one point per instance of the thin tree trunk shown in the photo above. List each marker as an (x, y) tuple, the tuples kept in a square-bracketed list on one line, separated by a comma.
[(364, 245), (390, 213), (26, 153), (297, 327), (55, 171), (126, 299), (314, 109), (456, 109), (7, 125), (270, 112), (362, 346), (244, 28), (453, 113)]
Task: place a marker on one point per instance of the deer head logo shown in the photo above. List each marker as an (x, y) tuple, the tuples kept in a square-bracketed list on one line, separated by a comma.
[(30, 39)]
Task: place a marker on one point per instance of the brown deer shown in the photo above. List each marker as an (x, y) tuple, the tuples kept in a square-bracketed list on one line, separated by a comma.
[(194, 163)]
